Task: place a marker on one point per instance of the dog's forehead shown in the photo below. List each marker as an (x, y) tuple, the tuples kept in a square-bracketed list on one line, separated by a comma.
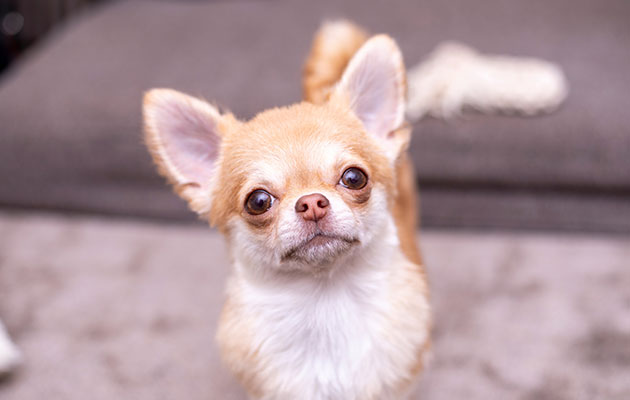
[(301, 139), (304, 123), (302, 162)]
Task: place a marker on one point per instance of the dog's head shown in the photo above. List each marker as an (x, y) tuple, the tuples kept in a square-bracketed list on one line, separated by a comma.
[(295, 188)]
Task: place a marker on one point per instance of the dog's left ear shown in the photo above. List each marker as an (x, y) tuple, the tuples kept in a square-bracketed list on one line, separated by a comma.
[(373, 86)]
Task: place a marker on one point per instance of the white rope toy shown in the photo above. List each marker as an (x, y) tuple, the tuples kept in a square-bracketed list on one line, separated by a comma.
[(9, 355), (455, 77)]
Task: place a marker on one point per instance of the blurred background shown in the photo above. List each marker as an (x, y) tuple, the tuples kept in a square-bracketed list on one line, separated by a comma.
[(111, 287)]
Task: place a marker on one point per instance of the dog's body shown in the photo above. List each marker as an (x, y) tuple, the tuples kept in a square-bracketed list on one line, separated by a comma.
[(328, 297)]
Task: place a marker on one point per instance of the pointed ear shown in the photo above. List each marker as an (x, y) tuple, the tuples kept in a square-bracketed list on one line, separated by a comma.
[(373, 86), (182, 134)]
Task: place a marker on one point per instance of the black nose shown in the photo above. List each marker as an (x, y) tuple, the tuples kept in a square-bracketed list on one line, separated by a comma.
[(312, 207)]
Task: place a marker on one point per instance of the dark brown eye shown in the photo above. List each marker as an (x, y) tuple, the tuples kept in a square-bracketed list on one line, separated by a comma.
[(353, 178), (258, 202)]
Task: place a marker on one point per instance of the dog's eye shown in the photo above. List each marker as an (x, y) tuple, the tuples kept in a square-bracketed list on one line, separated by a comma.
[(258, 202), (353, 178)]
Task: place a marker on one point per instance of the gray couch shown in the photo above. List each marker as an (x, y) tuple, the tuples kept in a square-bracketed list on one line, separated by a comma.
[(70, 111)]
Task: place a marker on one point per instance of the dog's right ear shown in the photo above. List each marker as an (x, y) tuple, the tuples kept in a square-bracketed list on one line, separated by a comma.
[(183, 135), (373, 87)]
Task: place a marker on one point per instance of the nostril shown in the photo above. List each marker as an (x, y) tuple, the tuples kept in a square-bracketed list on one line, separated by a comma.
[(323, 202)]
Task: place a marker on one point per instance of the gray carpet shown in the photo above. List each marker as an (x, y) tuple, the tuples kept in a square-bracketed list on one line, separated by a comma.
[(127, 310)]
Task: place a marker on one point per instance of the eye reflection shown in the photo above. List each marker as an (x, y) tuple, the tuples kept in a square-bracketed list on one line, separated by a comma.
[(258, 202), (353, 178)]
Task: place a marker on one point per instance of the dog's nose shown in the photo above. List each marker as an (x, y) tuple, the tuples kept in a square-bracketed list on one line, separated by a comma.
[(312, 207)]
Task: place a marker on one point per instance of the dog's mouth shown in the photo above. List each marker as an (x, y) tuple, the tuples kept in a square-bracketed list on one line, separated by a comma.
[(320, 248)]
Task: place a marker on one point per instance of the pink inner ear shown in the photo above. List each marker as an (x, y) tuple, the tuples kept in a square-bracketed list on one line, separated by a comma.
[(374, 82), (376, 98), (187, 129)]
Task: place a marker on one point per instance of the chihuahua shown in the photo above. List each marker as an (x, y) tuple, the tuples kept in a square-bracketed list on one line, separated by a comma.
[(327, 297)]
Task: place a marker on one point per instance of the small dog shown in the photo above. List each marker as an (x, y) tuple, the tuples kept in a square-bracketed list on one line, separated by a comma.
[(328, 297)]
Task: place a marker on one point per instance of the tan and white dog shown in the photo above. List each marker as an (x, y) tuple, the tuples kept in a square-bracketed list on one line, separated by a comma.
[(328, 297)]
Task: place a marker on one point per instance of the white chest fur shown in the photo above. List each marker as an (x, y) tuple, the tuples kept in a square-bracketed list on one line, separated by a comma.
[(357, 335)]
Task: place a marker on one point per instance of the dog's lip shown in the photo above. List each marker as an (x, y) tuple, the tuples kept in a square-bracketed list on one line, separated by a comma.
[(315, 236)]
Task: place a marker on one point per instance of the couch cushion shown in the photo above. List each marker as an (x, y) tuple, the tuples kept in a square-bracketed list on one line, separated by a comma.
[(70, 111)]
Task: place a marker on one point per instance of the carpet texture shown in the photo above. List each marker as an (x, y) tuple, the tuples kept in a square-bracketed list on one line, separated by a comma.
[(120, 309)]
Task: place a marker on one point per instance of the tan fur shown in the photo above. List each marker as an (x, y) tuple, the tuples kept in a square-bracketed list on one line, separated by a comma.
[(333, 46), (235, 335), (287, 152), (405, 209), (290, 131), (326, 62)]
